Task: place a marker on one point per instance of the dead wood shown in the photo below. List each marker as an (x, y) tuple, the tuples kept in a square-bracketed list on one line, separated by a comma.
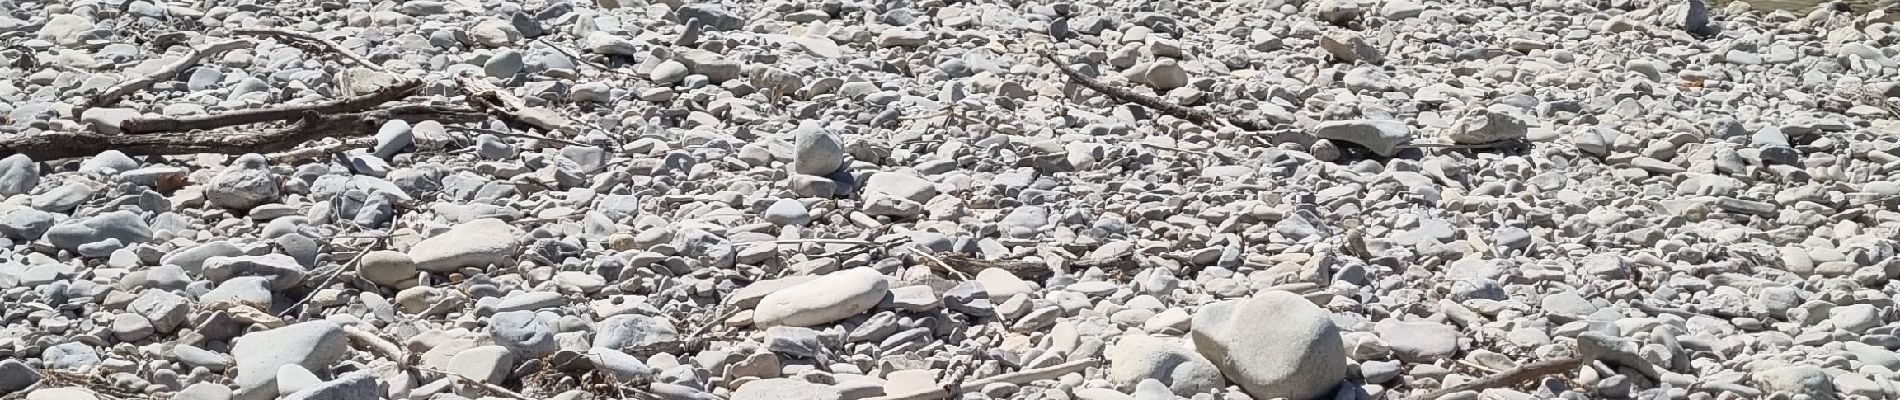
[(308, 39), (1510, 377), (1197, 116), (286, 113), (486, 96), (193, 57), (311, 125)]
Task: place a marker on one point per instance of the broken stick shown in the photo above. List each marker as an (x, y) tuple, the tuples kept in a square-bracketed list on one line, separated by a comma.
[(1197, 116), (193, 57), (306, 38), (287, 113), (1510, 377), (312, 126), (486, 96)]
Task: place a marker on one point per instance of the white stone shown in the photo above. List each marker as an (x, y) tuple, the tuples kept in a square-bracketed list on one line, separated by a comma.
[(833, 297)]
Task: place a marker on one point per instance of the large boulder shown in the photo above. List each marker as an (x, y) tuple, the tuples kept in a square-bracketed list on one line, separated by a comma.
[(1138, 357), (313, 345), (1274, 345)]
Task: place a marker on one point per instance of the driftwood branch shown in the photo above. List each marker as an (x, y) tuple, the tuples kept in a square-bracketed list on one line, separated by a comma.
[(111, 95), (486, 96), (1197, 116), (311, 126), (306, 38), (387, 94), (1510, 377)]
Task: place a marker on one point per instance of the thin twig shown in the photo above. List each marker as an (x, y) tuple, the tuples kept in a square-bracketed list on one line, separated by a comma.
[(332, 46), (386, 94), (1510, 377), (170, 71), (491, 388), (1197, 116)]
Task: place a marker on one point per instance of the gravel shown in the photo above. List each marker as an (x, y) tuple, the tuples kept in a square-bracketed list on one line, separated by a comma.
[(856, 200)]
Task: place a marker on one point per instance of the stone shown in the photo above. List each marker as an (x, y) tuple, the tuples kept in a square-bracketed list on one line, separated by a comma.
[(524, 332), (388, 268), (1493, 124), (901, 185), (1136, 357), (26, 224), (1383, 137), (15, 376), (18, 175), (1166, 74), (69, 356), (61, 393), (709, 16), (476, 244), (630, 331), (504, 64), (815, 151), (489, 364), (1418, 341), (313, 345), (1349, 47), (1299, 356), (830, 298), (393, 137), (787, 212), (1799, 380), (785, 389), (358, 385), (246, 184), (621, 366), (282, 271), (124, 226), (1002, 284)]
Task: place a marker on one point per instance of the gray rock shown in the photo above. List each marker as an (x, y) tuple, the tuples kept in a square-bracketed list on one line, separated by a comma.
[(1493, 124), (830, 298), (815, 151), (525, 333), (15, 375), (710, 16), (785, 389), (282, 271), (504, 64), (359, 385), (1349, 47), (1136, 358), (313, 345), (782, 212), (165, 310), (629, 331), (1383, 137), (1299, 356), (18, 175), (26, 224), (477, 243), (1799, 380), (489, 364), (388, 268), (69, 356), (901, 185), (247, 183), (622, 367), (1418, 341), (124, 226), (392, 138)]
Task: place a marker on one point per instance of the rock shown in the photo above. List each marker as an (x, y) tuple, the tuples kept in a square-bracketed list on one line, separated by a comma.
[(388, 268), (282, 271), (784, 212), (717, 68), (668, 72), (504, 64), (815, 151), (312, 345), (359, 385), (620, 366), (26, 224), (608, 43), (124, 226), (15, 376), (61, 393), (785, 389), (107, 120), (1800, 380), (488, 364), (1494, 124), (1299, 356), (630, 331), (1136, 358), (710, 16), (900, 185), (1383, 137), (246, 184), (1166, 74), (833, 297), (524, 332), (18, 175), (1348, 47), (1418, 341), (476, 244)]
